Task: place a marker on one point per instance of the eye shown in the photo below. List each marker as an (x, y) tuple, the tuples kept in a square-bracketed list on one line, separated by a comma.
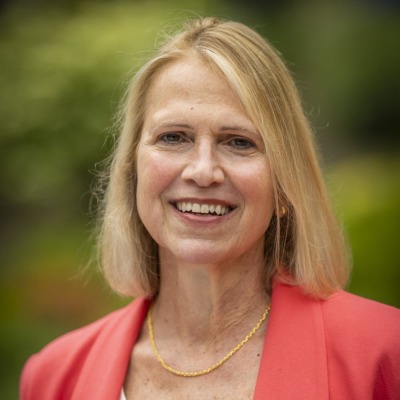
[(241, 143), (173, 138)]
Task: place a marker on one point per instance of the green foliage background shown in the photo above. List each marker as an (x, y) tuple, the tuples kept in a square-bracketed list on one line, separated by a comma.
[(64, 66)]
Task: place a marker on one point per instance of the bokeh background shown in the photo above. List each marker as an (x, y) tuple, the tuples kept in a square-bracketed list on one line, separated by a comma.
[(63, 68)]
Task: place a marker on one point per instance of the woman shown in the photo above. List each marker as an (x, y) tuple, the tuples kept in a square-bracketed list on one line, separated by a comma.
[(216, 217)]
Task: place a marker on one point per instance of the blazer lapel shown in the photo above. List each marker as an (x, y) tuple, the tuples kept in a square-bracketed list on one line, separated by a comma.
[(104, 370), (293, 364)]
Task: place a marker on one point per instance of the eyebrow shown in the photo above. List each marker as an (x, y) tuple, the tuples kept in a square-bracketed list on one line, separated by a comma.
[(223, 128), (237, 128), (172, 125)]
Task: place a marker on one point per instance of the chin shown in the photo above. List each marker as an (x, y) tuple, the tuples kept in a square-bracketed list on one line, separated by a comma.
[(201, 257), (200, 252)]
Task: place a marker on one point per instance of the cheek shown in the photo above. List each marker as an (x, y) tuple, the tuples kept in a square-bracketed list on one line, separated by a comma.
[(257, 191), (256, 187), (154, 175)]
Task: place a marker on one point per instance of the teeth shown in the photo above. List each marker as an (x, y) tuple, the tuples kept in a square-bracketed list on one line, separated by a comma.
[(196, 208), (202, 208)]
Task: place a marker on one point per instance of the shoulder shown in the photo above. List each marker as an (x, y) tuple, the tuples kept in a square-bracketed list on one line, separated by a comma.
[(352, 315), (361, 326), (362, 345), (58, 365), (344, 316), (81, 339), (355, 325)]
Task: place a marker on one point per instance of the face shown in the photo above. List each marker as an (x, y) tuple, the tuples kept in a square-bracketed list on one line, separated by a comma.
[(204, 188)]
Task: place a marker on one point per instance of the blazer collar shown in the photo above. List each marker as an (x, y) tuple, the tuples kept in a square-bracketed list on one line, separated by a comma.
[(103, 374), (293, 363)]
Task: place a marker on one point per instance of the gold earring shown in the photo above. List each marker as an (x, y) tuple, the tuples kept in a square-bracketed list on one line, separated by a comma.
[(282, 211)]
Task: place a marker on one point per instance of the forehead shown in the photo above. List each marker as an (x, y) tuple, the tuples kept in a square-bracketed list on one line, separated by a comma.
[(190, 80), (185, 68)]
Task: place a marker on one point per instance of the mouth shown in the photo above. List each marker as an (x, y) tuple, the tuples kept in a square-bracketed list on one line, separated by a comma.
[(202, 208)]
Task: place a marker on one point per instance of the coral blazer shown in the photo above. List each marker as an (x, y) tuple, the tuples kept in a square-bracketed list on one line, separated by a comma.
[(345, 347)]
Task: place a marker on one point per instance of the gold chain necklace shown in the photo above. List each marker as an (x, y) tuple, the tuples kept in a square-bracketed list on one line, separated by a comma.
[(213, 367)]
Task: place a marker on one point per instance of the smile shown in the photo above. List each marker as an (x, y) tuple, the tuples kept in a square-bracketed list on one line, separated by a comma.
[(196, 208)]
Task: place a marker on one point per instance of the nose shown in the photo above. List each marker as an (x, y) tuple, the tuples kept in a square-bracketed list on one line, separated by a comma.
[(203, 166)]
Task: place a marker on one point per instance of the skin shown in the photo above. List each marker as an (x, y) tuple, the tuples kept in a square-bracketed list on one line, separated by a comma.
[(198, 145)]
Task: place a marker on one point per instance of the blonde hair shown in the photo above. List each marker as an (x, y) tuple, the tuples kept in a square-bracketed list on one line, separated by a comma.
[(305, 246)]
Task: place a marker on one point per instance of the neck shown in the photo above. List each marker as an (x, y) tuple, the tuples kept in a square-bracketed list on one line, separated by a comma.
[(205, 303)]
